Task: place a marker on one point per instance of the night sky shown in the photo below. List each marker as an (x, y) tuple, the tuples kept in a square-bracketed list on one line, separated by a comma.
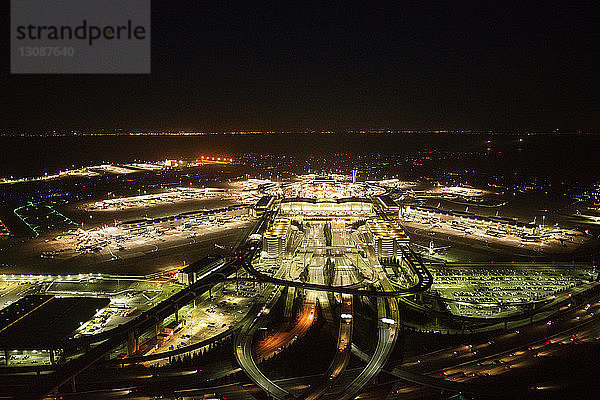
[(302, 65)]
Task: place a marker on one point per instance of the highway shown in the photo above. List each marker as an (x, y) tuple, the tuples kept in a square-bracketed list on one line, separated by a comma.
[(343, 276), (280, 339), (243, 342), (257, 318), (283, 337), (456, 367), (386, 339), (387, 310), (342, 356)]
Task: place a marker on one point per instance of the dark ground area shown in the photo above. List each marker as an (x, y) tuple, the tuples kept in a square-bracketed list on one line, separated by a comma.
[(55, 320)]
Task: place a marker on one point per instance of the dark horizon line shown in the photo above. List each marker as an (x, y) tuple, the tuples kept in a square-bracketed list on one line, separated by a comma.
[(189, 132)]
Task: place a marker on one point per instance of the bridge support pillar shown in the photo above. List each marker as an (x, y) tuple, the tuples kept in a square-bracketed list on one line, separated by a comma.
[(132, 343), (52, 357), (177, 314), (157, 329), (6, 357), (73, 385)]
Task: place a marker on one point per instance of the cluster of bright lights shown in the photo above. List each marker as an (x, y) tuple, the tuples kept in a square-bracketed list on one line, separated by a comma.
[(222, 159)]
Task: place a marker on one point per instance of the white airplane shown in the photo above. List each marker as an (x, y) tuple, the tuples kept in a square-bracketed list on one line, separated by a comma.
[(432, 249)]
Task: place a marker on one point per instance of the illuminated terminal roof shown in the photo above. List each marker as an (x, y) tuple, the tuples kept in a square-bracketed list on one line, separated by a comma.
[(320, 206), (384, 230), (325, 187), (278, 228), (322, 200), (324, 178)]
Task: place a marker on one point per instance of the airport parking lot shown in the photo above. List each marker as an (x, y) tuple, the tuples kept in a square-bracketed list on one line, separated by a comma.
[(488, 291)]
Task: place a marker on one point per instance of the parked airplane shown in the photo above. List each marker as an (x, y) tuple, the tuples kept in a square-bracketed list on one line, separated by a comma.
[(432, 249)]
